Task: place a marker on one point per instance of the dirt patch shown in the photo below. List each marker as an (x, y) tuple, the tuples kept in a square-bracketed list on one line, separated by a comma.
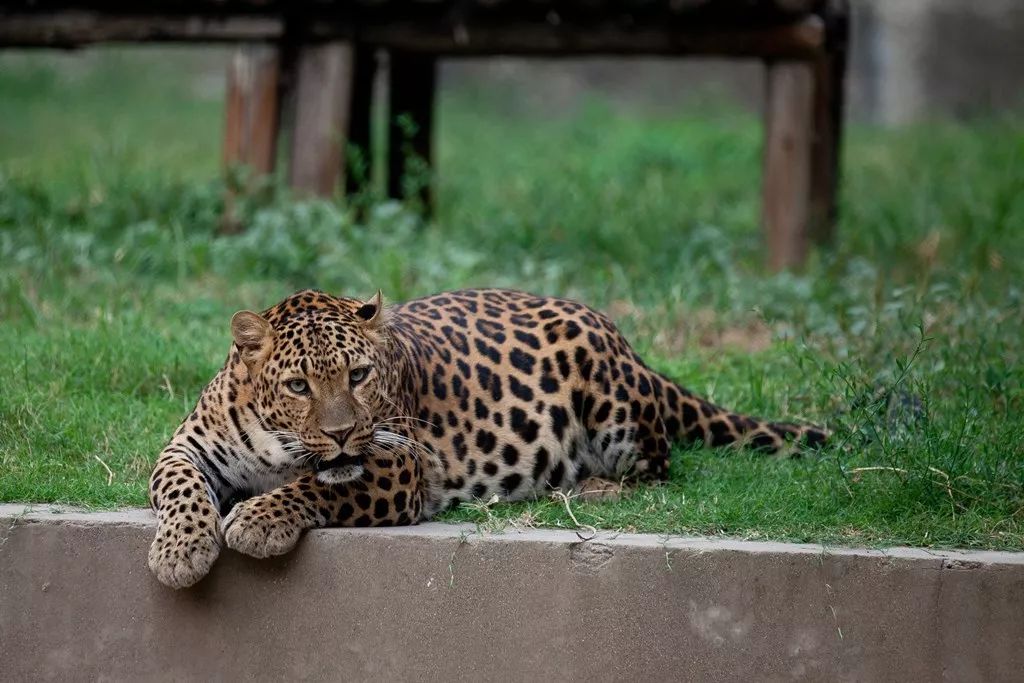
[(673, 331)]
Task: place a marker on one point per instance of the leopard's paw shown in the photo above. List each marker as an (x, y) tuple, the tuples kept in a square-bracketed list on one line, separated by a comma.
[(181, 556), (261, 527)]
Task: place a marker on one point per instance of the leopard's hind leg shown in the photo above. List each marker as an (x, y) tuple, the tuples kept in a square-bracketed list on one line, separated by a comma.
[(625, 429)]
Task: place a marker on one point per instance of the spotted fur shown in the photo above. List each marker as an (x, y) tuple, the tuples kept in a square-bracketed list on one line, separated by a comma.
[(334, 411)]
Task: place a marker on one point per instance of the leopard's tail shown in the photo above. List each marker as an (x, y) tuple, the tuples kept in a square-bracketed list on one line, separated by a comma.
[(690, 418)]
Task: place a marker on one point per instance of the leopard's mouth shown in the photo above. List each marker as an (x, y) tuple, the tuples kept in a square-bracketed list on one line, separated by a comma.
[(321, 464), (338, 470)]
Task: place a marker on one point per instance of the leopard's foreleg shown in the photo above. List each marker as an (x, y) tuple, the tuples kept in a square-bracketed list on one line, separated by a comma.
[(188, 536), (387, 492)]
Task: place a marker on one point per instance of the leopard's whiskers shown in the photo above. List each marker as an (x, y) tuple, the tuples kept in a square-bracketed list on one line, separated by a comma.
[(394, 439)]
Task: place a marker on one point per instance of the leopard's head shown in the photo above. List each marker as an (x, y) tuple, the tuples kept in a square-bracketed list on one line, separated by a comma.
[(316, 365)]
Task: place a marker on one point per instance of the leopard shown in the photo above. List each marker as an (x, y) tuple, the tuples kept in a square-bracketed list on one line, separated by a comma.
[(336, 411)]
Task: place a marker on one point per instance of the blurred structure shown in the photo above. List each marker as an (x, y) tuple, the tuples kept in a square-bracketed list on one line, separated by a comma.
[(318, 62), (310, 73), (909, 60), (917, 58)]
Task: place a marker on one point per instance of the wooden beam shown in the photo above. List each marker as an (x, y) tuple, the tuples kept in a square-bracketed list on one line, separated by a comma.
[(74, 28), (786, 184), (322, 95), (800, 38), (412, 82)]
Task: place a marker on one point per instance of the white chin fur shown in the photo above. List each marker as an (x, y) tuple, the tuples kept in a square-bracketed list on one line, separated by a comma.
[(339, 475)]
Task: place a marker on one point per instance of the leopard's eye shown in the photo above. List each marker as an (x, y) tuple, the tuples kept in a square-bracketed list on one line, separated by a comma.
[(298, 386), (357, 375)]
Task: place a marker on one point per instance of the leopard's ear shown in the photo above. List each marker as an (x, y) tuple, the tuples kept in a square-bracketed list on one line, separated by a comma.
[(370, 312), (253, 336)]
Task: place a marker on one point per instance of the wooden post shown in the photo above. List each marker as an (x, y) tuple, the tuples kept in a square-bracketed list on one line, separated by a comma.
[(826, 126), (251, 111), (251, 118), (829, 88), (360, 118), (786, 185), (322, 90), (411, 85)]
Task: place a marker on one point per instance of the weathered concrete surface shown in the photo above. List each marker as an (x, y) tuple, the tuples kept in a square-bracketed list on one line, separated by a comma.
[(439, 602)]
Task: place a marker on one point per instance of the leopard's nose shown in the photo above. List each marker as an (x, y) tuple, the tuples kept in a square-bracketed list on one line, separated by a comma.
[(339, 435)]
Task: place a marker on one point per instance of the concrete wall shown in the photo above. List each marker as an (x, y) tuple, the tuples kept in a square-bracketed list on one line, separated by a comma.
[(914, 59), (439, 602)]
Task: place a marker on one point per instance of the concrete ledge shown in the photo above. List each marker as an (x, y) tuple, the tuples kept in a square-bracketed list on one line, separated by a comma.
[(442, 602)]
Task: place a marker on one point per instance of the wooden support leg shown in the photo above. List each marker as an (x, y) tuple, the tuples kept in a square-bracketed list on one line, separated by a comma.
[(787, 162), (411, 87), (829, 90), (827, 130), (323, 90), (359, 171), (251, 121), (251, 117)]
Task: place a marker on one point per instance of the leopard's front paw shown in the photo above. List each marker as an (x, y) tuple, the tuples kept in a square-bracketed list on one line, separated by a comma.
[(262, 527), (181, 556)]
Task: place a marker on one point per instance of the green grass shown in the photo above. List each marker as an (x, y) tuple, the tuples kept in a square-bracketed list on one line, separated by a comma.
[(906, 339)]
